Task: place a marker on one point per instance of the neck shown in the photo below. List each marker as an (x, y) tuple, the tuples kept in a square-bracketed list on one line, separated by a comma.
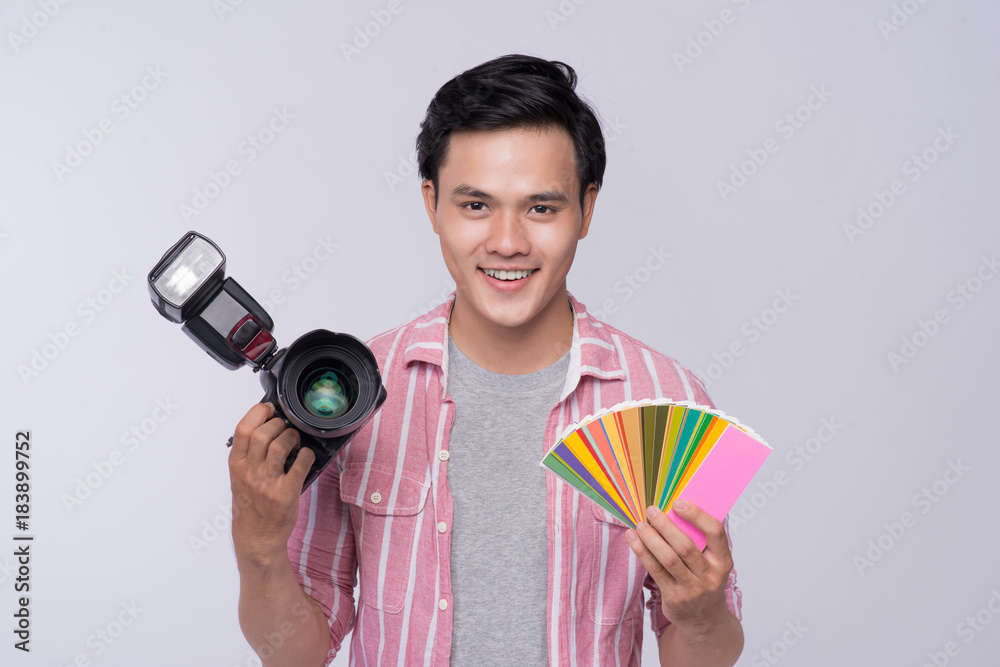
[(514, 350)]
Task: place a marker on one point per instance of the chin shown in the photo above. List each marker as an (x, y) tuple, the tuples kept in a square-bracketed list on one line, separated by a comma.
[(516, 317), (507, 320)]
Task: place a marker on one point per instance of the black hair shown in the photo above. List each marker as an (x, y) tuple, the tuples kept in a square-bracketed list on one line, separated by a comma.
[(513, 91)]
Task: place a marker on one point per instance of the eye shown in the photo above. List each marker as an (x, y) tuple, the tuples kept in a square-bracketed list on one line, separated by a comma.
[(475, 206), (541, 208)]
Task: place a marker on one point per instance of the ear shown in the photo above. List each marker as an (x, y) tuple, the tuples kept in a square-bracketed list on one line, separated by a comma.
[(589, 197), (427, 190)]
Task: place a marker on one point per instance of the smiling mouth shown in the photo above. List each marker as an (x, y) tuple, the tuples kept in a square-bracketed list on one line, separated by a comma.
[(501, 274)]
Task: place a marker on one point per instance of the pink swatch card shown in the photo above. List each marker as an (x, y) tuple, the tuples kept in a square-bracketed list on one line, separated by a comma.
[(721, 478)]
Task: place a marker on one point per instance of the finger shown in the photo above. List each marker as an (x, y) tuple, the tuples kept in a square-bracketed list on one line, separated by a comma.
[(691, 560), (300, 468), (279, 447), (715, 534), (664, 554), (261, 438), (656, 570), (254, 417)]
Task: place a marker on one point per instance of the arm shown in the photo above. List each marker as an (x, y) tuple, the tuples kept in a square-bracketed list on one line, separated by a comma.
[(284, 626), (702, 632), (719, 644)]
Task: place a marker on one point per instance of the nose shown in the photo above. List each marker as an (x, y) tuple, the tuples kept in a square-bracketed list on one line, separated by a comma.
[(507, 235)]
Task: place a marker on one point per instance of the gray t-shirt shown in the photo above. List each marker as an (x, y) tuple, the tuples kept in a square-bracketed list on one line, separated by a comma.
[(499, 553)]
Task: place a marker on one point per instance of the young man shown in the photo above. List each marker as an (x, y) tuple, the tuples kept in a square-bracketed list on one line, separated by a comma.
[(468, 552)]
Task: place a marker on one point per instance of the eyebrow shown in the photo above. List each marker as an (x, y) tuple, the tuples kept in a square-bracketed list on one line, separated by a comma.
[(469, 191)]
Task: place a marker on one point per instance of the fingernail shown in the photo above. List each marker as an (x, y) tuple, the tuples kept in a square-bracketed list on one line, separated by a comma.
[(681, 505), (652, 512), (631, 536)]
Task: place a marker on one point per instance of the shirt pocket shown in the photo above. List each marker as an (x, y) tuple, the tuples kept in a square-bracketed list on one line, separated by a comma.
[(615, 573), (386, 506)]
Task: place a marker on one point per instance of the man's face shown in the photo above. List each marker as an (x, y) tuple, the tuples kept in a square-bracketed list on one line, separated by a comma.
[(508, 216)]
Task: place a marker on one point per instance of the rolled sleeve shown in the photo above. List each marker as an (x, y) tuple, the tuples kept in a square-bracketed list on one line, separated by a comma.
[(322, 552)]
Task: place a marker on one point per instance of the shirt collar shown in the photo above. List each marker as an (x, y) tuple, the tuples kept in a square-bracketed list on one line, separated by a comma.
[(595, 350)]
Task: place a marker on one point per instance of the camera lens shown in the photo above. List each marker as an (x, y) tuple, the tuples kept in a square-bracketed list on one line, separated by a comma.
[(327, 393), (328, 384)]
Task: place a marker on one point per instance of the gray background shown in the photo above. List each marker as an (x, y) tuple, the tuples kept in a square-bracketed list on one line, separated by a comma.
[(807, 550)]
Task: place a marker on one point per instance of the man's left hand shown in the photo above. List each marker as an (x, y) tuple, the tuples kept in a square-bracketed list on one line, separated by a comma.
[(692, 583)]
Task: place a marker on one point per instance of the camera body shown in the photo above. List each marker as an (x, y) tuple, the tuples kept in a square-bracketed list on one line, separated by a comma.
[(326, 385)]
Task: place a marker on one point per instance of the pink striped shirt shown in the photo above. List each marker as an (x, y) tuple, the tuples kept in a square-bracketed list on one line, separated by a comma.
[(383, 510)]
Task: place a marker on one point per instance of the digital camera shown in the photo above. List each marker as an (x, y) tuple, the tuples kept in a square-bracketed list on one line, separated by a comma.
[(325, 385)]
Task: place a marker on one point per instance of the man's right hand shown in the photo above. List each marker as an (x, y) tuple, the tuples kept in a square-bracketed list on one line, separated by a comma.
[(265, 498), (265, 508)]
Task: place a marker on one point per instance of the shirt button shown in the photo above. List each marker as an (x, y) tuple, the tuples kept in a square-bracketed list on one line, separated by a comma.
[(442, 527), (444, 455), (376, 497), (442, 604)]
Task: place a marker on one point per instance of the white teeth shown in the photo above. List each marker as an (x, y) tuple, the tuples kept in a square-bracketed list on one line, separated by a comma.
[(501, 274)]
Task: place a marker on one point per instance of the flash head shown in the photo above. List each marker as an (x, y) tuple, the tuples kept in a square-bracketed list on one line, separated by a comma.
[(187, 274), (188, 286)]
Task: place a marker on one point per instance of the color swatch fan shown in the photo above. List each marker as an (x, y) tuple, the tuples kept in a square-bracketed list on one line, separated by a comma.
[(645, 453)]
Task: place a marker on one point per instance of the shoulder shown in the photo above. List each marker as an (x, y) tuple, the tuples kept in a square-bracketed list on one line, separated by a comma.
[(651, 373)]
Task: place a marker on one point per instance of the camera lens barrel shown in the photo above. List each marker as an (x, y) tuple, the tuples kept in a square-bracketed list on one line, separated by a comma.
[(328, 383)]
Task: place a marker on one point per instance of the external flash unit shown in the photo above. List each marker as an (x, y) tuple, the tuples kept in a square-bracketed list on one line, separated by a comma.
[(326, 385)]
